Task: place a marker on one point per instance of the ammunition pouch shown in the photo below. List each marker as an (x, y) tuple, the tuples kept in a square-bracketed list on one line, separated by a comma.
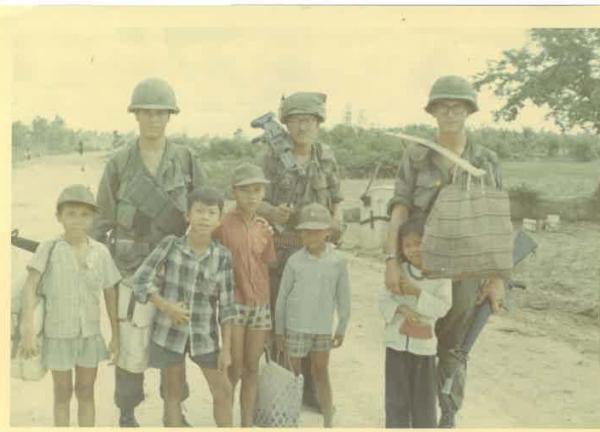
[(129, 254), (156, 204)]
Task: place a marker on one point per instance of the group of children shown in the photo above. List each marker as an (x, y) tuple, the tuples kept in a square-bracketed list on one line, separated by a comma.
[(211, 291)]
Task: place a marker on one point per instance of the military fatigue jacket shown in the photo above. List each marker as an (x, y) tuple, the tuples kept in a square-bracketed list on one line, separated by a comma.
[(318, 181), (423, 172), (138, 208)]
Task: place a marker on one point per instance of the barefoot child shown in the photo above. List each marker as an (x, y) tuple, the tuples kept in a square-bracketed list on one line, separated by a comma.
[(250, 240), (79, 269), (314, 285), (410, 384), (194, 297)]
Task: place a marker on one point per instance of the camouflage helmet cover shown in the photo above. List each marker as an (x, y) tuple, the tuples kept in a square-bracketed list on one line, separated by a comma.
[(303, 103), (153, 93), (452, 87)]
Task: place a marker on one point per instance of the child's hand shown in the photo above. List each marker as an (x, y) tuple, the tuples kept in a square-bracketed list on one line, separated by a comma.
[(29, 344), (338, 340), (178, 313), (410, 288), (113, 348), (280, 343), (408, 313), (224, 360)]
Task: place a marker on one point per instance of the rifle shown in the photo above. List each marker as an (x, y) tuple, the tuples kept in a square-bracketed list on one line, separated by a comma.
[(277, 138), (22, 242), (524, 245)]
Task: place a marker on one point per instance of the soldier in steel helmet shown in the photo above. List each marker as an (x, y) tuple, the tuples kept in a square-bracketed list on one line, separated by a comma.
[(317, 181), (141, 199), (421, 174)]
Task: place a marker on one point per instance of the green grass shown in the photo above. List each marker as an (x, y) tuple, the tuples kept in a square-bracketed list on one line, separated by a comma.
[(554, 178)]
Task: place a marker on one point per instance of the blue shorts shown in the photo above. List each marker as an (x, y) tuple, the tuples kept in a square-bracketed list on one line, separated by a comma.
[(162, 358)]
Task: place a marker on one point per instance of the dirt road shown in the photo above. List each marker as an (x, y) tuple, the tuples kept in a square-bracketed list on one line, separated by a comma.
[(537, 366)]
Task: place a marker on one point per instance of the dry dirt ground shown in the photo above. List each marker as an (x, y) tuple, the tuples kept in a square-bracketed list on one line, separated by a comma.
[(535, 366)]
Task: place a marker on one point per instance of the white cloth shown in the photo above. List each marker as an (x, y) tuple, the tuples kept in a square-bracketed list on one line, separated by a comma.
[(433, 302), (134, 347)]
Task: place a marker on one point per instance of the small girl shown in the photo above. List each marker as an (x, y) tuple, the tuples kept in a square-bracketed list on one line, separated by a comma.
[(76, 270), (410, 378)]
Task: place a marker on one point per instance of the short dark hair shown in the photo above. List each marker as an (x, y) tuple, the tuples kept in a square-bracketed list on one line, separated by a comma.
[(206, 195), (414, 225)]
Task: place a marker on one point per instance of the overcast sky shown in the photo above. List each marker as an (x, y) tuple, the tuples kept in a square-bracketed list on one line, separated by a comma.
[(229, 65)]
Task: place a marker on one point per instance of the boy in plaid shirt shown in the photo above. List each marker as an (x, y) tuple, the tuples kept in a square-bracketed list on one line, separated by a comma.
[(194, 297)]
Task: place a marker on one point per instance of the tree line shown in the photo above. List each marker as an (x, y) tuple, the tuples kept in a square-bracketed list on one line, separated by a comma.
[(358, 150)]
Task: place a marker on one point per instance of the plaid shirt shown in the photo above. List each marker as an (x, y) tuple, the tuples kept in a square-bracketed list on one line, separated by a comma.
[(204, 283)]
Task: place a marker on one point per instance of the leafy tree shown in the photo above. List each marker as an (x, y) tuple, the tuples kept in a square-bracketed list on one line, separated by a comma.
[(558, 69)]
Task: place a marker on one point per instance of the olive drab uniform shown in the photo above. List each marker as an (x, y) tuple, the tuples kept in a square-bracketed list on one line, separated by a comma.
[(136, 210), (421, 174)]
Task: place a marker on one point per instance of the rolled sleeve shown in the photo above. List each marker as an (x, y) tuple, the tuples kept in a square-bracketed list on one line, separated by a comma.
[(110, 272), (105, 219), (145, 275), (404, 185), (198, 174), (333, 182), (40, 257), (226, 304)]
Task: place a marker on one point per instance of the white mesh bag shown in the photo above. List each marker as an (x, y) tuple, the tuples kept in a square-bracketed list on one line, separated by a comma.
[(279, 396)]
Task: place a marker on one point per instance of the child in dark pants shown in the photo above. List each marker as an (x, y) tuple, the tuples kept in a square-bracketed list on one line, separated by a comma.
[(410, 383)]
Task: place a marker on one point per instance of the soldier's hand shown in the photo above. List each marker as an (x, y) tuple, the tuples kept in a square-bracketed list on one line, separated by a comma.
[(281, 214), (394, 277), (492, 291), (178, 313)]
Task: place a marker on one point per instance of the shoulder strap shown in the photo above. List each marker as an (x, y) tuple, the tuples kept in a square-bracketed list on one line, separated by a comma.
[(42, 276)]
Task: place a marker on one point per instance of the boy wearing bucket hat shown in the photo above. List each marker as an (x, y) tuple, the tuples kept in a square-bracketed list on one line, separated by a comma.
[(318, 181), (250, 240), (76, 270), (314, 285)]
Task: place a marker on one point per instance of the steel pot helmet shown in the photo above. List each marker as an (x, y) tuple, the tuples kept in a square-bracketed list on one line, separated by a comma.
[(153, 93), (452, 87), (303, 103)]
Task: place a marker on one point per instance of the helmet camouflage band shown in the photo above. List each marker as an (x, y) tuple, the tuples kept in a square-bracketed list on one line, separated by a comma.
[(303, 103), (452, 87), (153, 93)]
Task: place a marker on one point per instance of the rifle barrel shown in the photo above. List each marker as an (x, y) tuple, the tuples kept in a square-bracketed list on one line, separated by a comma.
[(24, 243)]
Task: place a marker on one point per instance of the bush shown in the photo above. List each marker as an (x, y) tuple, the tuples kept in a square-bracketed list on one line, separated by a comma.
[(585, 150)]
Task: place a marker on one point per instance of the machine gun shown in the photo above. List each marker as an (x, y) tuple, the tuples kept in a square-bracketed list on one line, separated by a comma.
[(278, 139), (524, 245)]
